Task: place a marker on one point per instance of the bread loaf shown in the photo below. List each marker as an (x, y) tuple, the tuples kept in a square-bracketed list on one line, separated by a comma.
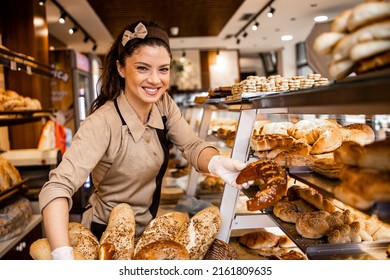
[(83, 240), (40, 250), (375, 155), (350, 197), (164, 227), (259, 239), (162, 250), (274, 177), (376, 62), (340, 22), (289, 211), (341, 68), (120, 231), (197, 234), (358, 132), (368, 49), (220, 250), (265, 142), (326, 41), (366, 13)]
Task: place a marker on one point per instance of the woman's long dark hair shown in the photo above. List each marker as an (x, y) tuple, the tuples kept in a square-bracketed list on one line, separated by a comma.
[(111, 82)]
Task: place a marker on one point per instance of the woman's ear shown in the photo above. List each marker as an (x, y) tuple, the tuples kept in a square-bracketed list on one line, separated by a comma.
[(120, 69)]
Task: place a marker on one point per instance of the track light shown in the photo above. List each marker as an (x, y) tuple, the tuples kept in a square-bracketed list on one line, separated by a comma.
[(271, 12), (94, 47), (73, 30), (62, 18), (238, 41), (41, 2), (255, 26), (245, 34), (86, 38)]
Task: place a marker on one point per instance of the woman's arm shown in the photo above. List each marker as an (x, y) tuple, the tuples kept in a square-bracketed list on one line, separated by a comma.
[(205, 157), (56, 222)]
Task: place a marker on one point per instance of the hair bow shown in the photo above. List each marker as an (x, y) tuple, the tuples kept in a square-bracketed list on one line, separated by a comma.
[(139, 32)]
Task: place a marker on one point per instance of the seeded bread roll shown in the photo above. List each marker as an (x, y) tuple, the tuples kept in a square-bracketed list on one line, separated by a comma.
[(162, 250), (163, 227), (83, 240), (200, 231), (120, 232), (40, 250)]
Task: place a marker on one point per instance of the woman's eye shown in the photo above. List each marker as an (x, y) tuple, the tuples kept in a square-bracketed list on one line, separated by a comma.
[(142, 68), (164, 69)]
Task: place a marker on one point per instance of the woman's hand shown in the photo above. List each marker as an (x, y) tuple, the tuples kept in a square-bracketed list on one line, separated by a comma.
[(228, 169)]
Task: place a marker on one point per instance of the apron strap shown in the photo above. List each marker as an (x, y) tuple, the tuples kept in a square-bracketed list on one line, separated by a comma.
[(162, 137)]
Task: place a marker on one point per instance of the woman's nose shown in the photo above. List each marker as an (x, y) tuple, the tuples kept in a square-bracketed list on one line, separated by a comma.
[(154, 78)]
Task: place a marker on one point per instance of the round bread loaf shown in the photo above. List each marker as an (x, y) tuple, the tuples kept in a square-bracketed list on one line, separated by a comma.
[(375, 155), (326, 41), (200, 231), (162, 250), (358, 132), (368, 49), (120, 231), (162, 228), (40, 250), (366, 13), (83, 240), (313, 225)]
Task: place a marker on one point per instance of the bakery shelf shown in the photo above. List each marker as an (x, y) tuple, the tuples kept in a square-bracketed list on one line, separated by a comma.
[(318, 249), (366, 94), (23, 116)]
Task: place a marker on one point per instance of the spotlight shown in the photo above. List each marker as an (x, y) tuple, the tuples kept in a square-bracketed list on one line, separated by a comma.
[(255, 26), (238, 41), (86, 38), (62, 18), (271, 12), (73, 30), (42, 2), (94, 47), (245, 34)]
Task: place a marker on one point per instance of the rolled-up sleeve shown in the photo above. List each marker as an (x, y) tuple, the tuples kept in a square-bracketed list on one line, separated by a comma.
[(88, 146)]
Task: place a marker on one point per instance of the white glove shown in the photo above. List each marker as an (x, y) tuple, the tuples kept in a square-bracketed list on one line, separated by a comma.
[(62, 253), (228, 169)]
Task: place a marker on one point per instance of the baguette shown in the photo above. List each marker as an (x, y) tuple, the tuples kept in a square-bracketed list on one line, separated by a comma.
[(120, 232), (197, 234), (40, 250)]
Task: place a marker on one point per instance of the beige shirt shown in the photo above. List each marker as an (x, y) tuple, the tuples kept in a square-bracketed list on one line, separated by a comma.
[(124, 160)]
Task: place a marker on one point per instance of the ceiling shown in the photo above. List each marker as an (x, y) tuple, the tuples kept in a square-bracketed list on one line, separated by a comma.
[(203, 24)]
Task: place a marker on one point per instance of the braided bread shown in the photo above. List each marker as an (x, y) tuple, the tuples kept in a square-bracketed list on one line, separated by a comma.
[(275, 178), (289, 211)]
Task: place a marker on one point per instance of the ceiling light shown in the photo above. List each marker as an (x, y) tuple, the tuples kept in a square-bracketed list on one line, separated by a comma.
[(238, 41), (62, 18), (42, 2), (73, 30), (320, 18), (255, 26), (287, 37), (86, 38), (271, 12), (174, 30), (94, 47), (245, 34)]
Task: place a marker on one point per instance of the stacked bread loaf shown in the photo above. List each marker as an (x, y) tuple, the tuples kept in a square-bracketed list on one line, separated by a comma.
[(9, 175), (12, 101), (316, 216), (365, 176), (359, 39)]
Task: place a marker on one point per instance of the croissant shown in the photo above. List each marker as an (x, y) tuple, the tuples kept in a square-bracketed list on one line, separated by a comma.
[(274, 177)]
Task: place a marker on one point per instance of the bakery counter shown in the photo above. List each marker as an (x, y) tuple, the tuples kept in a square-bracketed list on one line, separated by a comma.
[(20, 243), (319, 249)]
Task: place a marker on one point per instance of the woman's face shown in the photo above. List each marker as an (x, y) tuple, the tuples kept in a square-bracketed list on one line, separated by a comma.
[(146, 74)]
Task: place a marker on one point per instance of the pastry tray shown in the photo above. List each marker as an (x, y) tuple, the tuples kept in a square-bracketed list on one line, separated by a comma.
[(319, 249)]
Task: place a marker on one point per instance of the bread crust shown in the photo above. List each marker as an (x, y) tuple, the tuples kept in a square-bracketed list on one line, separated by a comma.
[(83, 240), (162, 250), (197, 234), (120, 231), (259, 239), (358, 132), (366, 13), (161, 228), (274, 177), (40, 250)]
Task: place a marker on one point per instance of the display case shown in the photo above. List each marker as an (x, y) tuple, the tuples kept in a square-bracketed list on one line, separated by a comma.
[(361, 97)]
